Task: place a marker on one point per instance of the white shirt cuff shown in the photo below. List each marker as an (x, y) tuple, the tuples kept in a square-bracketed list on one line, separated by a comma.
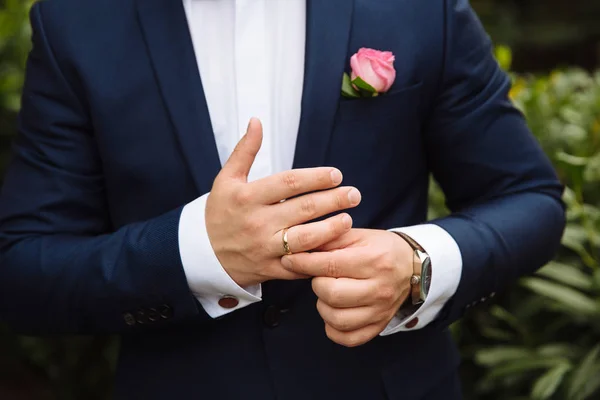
[(446, 269), (207, 279)]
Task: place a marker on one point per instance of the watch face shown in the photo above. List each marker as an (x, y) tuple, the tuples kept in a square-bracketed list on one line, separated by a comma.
[(425, 277)]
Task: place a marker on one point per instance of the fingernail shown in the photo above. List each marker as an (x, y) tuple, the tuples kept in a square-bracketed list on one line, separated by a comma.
[(354, 196), (336, 177), (285, 261), (347, 221)]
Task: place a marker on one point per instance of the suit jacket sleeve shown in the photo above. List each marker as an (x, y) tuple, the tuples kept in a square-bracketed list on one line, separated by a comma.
[(507, 215), (63, 268)]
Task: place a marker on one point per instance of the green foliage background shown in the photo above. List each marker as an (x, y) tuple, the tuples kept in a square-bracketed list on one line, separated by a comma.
[(539, 340)]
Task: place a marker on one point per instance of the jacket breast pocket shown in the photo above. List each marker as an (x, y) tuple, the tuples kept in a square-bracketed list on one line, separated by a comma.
[(380, 138), (378, 126)]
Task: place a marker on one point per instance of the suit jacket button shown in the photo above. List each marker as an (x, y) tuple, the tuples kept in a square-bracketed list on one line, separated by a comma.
[(141, 317), (271, 316), (129, 320), (153, 315), (165, 311), (229, 302)]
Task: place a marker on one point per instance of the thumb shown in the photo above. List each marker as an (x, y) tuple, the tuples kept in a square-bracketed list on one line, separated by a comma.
[(241, 159)]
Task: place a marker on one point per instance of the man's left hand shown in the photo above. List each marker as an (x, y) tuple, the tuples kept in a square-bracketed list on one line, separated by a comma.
[(361, 279)]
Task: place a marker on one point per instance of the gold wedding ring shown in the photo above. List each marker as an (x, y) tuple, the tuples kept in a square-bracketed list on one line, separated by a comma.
[(286, 245)]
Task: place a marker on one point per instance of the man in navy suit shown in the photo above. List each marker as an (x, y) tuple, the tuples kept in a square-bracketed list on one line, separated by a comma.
[(243, 269)]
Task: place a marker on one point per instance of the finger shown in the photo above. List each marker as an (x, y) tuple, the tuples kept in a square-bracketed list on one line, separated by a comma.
[(341, 242), (346, 292), (348, 319), (310, 236), (288, 184), (354, 338), (276, 271), (344, 263), (240, 161), (314, 205)]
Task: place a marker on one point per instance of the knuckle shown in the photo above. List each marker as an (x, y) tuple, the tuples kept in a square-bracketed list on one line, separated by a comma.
[(332, 268), (386, 294), (339, 201), (251, 225), (384, 262), (339, 322), (305, 239), (290, 180), (243, 196), (308, 206)]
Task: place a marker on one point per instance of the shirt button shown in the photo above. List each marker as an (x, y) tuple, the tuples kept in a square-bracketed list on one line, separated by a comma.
[(271, 316), (412, 323), (228, 302), (129, 319)]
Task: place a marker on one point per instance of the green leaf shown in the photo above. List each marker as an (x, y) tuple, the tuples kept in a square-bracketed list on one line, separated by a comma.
[(583, 373), (505, 316), (347, 88), (571, 160), (559, 350), (547, 384), (364, 86), (574, 238), (521, 366), (570, 298), (592, 169), (500, 354), (592, 385), (567, 274), (504, 56), (496, 334)]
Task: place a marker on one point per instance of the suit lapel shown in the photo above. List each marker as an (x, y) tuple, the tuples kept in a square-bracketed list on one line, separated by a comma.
[(328, 24), (165, 29)]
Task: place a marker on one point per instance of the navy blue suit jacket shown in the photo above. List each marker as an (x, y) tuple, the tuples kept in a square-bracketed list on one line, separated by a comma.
[(115, 139)]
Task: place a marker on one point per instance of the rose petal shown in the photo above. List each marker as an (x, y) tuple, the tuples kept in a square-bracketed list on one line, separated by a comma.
[(355, 65), (385, 72)]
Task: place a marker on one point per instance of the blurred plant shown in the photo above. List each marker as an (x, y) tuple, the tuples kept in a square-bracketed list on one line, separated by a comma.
[(14, 45), (539, 341), (542, 339)]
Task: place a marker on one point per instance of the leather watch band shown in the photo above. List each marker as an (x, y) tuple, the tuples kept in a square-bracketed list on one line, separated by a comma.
[(415, 280)]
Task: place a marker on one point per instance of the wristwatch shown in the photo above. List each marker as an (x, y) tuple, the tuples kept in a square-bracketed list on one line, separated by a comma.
[(420, 281)]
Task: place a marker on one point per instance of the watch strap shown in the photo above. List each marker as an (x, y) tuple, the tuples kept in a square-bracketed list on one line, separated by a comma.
[(415, 279)]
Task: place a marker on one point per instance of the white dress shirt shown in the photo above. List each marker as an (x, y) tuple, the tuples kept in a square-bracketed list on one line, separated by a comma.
[(250, 56)]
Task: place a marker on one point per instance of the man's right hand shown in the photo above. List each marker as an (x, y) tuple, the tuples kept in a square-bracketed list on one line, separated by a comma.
[(245, 221)]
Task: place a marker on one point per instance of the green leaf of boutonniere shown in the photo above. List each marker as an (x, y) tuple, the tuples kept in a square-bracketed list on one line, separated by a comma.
[(365, 89), (347, 88)]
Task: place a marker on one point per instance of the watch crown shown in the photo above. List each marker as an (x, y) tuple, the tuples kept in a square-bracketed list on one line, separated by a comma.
[(415, 280)]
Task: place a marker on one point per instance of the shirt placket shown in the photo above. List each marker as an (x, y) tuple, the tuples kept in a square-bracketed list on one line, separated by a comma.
[(253, 85)]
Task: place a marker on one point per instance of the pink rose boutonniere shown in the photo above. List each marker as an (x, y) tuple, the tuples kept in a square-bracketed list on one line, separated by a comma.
[(373, 73)]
